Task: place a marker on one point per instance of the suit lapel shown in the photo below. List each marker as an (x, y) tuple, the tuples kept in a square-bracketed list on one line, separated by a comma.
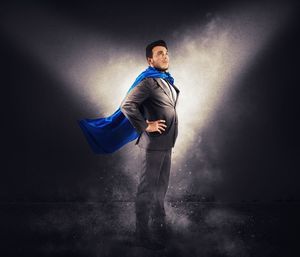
[(167, 91), (177, 90)]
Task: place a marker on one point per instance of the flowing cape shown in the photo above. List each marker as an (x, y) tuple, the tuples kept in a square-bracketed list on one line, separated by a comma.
[(108, 134)]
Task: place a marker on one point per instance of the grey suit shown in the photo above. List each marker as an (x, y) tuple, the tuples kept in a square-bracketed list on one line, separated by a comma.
[(152, 100)]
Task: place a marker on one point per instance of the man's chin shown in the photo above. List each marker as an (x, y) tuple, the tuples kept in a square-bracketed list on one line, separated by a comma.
[(162, 68)]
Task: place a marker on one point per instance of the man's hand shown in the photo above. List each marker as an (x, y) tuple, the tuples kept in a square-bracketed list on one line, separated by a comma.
[(156, 125)]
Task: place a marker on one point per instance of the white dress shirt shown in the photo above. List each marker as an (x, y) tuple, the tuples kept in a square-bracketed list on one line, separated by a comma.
[(172, 89)]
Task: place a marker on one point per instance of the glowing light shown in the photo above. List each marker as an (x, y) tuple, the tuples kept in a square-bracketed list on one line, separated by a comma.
[(207, 61)]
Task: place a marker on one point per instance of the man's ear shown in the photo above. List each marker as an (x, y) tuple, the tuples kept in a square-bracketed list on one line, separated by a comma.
[(149, 60)]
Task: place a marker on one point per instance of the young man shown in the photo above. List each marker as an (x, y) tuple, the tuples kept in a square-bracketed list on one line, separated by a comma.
[(151, 109)]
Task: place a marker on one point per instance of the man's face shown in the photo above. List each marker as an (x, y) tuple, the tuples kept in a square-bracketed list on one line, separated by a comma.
[(160, 58)]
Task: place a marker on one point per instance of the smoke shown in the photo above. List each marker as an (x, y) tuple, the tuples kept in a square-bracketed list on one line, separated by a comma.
[(207, 60), (225, 225), (196, 229)]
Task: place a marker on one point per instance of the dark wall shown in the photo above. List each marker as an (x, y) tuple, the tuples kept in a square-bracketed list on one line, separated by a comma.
[(257, 127), (45, 157)]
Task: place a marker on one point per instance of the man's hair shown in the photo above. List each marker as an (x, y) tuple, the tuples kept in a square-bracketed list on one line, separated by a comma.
[(152, 45)]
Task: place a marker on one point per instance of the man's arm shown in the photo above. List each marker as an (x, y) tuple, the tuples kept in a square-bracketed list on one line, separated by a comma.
[(130, 106)]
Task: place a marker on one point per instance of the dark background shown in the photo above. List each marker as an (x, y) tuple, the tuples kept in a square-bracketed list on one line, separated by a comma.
[(45, 157), (57, 198)]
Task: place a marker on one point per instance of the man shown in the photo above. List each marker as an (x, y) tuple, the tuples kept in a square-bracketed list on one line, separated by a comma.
[(151, 109)]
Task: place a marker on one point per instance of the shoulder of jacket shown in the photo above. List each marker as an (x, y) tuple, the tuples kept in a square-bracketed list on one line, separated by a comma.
[(147, 82)]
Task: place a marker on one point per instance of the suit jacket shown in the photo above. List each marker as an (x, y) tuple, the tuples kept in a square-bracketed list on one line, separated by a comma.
[(152, 100)]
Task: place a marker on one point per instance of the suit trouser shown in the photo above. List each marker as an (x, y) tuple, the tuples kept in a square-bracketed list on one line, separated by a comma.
[(154, 179)]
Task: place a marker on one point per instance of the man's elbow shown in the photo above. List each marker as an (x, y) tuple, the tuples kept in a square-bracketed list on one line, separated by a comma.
[(123, 106), (128, 107)]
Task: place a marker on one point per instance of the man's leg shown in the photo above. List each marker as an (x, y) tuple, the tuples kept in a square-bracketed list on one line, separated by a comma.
[(163, 183), (159, 214), (151, 163)]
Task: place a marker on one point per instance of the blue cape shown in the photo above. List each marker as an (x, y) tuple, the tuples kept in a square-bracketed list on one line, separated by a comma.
[(108, 134)]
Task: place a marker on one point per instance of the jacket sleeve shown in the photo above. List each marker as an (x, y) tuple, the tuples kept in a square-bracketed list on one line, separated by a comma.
[(131, 103)]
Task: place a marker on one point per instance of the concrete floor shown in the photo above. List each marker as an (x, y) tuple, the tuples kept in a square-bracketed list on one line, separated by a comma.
[(104, 229)]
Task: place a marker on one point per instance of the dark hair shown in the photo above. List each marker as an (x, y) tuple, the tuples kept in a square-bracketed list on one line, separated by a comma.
[(152, 45)]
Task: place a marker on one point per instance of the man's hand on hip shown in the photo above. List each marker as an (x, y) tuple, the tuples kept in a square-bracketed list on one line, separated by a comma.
[(157, 125)]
